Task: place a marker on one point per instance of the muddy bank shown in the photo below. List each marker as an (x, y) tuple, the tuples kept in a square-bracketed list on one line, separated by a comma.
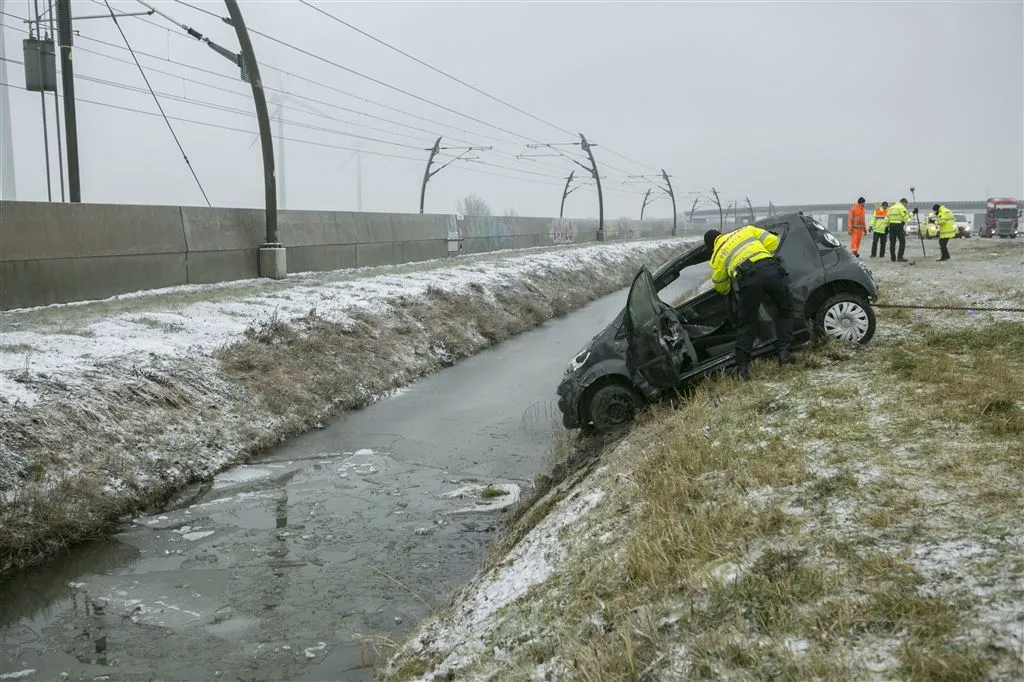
[(206, 379)]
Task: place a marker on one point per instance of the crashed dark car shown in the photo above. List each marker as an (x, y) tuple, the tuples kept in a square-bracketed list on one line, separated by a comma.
[(653, 348)]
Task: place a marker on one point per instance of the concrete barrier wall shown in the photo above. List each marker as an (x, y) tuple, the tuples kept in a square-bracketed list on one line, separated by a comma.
[(55, 253), (489, 233), (51, 253)]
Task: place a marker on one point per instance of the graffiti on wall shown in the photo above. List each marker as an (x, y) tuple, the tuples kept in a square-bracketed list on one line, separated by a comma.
[(622, 228), (495, 230), (562, 231)]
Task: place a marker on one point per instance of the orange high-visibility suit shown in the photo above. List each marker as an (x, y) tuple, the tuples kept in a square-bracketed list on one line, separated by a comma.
[(858, 226)]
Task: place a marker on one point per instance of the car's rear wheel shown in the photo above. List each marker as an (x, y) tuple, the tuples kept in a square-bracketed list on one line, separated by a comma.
[(612, 405), (845, 317)]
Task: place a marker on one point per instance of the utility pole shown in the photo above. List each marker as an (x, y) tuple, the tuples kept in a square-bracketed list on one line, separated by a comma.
[(672, 196), (750, 208), (38, 35), (8, 187), (56, 115), (65, 37), (566, 192), (273, 261), (647, 200), (694, 207), (587, 147)]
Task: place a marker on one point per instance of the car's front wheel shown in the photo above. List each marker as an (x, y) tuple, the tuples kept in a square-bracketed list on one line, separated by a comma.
[(611, 406), (845, 317)]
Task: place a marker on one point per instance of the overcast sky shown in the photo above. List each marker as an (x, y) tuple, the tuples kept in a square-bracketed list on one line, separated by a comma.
[(793, 102)]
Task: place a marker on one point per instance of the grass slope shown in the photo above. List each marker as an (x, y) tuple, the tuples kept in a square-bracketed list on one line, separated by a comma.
[(856, 516)]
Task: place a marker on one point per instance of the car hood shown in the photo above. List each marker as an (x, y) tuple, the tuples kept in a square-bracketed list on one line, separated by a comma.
[(602, 346)]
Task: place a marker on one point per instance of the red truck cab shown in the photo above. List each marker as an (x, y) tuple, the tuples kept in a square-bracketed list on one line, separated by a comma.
[(1002, 218)]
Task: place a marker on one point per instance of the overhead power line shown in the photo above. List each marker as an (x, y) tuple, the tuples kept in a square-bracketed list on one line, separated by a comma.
[(376, 81), (318, 84), (233, 129), (321, 85), (266, 87), (435, 69), (459, 80), (158, 105)]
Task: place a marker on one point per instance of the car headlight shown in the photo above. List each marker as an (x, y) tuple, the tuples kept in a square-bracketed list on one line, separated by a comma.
[(578, 361), (830, 239)]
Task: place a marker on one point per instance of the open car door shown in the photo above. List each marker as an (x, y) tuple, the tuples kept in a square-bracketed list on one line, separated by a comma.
[(658, 345)]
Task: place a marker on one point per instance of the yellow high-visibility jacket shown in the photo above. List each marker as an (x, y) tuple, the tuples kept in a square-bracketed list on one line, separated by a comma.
[(947, 223), (897, 215), (739, 246), (878, 223)]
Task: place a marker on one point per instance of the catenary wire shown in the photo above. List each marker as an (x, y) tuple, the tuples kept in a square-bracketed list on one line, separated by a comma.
[(379, 82), (319, 85), (460, 81), (158, 105), (265, 87), (218, 126), (179, 25)]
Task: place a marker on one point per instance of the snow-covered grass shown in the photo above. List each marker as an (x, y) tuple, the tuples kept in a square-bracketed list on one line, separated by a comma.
[(856, 516), (110, 404)]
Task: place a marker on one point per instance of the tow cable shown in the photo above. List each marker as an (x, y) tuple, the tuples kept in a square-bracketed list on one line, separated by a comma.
[(948, 307)]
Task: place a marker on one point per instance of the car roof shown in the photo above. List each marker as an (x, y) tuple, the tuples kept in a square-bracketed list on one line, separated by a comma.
[(668, 271)]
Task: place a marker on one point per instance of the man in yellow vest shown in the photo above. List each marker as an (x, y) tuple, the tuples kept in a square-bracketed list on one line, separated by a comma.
[(743, 262), (896, 221), (947, 228), (879, 237)]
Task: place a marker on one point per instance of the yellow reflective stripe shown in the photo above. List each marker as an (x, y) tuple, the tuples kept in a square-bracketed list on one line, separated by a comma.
[(734, 252)]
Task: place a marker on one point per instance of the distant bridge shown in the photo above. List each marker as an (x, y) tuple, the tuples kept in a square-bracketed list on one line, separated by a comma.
[(975, 206)]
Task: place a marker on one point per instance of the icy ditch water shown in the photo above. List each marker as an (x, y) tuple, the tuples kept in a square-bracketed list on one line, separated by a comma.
[(278, 569)]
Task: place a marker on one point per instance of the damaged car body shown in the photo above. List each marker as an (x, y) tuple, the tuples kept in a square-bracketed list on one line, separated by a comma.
[(653, 348)]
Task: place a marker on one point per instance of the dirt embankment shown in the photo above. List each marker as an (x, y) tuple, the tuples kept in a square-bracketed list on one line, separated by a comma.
[(216, 375), (856, 516)]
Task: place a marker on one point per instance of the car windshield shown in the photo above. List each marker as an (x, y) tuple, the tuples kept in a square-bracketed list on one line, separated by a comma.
[(1007, 212), (960, 217)]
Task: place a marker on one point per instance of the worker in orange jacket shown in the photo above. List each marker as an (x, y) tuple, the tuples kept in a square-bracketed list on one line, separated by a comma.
[(857, 226)]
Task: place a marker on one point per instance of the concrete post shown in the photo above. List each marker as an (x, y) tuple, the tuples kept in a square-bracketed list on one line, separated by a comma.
[(273, 261)]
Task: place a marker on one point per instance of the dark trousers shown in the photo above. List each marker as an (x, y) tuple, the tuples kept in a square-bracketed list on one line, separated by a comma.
[(879, 239), (897, 232), (943, 241), (766, 279)]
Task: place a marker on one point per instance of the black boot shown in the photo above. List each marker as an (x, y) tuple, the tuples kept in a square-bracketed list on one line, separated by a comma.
[(784, 357), (743, 370)]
